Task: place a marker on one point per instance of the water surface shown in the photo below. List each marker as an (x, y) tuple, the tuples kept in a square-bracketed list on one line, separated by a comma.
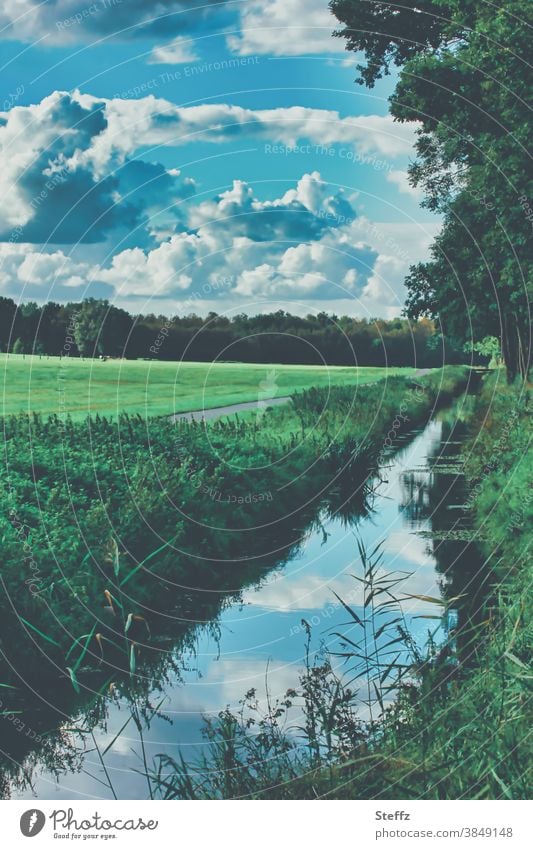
[(258, 639)]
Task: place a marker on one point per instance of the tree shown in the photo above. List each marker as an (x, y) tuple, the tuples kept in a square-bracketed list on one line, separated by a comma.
[(464, 80), (52, 329), (394, 33), (88, 327), (101, 328), (26, 323), (8, 310), (18, 346), (489, 347)]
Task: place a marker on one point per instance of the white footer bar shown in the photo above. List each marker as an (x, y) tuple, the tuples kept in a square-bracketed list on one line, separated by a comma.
[(267, 825)]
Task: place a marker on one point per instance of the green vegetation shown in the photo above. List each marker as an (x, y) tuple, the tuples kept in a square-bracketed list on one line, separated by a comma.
[(76, 387), (445, 724), (499, 466), (118, 513), (119, 528)]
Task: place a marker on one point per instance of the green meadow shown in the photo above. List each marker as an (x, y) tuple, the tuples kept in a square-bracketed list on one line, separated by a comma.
[(78, 387)]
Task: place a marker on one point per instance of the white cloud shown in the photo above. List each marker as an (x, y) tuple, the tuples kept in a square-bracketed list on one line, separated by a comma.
[(285, 28), (75, 133), (398, 246), (324, 268), (309, 591), (177, 52), (34, 274), (289, 250), (164, 270), (75, 21), (301, 213), (284, 247), (401, 180), (153, 121), (58, 190), (87, 145), (385, 285), (301, 254), (307, 244), (275, 27)]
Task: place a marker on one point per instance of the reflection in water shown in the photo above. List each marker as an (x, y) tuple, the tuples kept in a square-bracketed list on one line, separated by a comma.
[(205, 668), (439, 492), (416, 500)]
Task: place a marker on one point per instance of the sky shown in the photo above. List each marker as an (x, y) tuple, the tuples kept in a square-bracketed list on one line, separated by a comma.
[(178, 157)]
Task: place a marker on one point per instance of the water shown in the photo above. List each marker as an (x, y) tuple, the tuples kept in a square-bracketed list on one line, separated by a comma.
[(260, 638)]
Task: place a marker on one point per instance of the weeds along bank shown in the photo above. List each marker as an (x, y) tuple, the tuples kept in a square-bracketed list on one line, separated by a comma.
[(122, 519), (473, 740), (442, 726), (499, 467), (464, 732)]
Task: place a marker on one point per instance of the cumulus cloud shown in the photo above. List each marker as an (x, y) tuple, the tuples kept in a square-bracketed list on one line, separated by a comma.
[(304, 212), (117, 127), (54, 191), (155, 121), (306, 246), (397, 246), (289, 245), (276, 27), (28, 273), (285, 28), (71, 174)]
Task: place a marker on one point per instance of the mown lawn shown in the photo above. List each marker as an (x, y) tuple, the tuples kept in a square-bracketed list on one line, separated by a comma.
[(77, 387)]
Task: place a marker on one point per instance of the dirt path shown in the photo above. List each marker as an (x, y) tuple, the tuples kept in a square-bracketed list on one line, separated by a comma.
[(216, 412)]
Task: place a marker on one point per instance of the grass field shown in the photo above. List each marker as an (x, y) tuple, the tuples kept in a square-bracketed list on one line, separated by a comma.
[(77, 387)]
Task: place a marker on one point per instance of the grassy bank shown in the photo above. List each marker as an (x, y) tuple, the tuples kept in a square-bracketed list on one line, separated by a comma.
[(76, 387), (436, 725), (136, 516)]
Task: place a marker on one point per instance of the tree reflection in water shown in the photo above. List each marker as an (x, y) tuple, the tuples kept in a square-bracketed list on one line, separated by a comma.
[(439, 495)]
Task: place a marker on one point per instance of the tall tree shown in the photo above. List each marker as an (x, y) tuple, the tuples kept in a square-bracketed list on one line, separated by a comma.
[(464, 79), (101, 328), (8, 310)]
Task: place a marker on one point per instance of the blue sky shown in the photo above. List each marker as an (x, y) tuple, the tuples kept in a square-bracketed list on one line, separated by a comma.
[(178, 157)]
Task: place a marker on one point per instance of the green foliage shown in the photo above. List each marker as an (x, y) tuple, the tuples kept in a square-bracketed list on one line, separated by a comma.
[(500, 470), (489, 347), (73, 495), (95, 327), (100, 328), (394, 33), (441, 724)]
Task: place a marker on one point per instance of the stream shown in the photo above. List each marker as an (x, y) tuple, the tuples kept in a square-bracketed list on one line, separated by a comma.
[(259, 636)]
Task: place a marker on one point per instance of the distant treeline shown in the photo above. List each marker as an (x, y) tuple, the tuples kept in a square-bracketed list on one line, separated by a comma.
[(95, 328)]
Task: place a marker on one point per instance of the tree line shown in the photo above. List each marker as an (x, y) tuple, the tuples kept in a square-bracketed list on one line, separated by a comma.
[(96, 328), (464, 78)]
